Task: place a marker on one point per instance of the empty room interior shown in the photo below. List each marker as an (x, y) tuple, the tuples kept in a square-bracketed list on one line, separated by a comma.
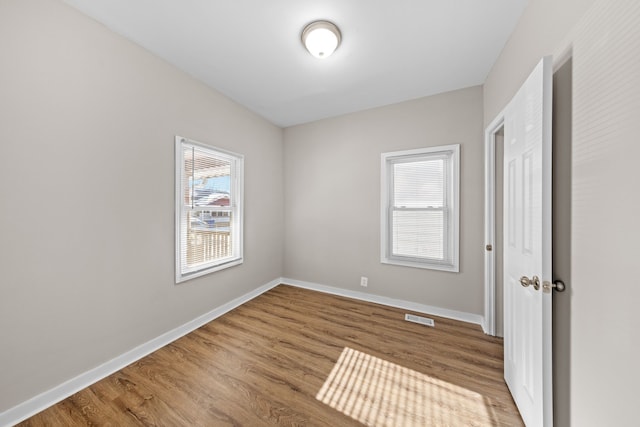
[(319, 213)]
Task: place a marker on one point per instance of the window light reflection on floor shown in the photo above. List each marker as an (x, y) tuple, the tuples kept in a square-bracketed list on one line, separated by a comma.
[(376, 393)]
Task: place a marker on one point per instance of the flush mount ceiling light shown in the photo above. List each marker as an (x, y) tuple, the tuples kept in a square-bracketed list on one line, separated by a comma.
[(321, 38)]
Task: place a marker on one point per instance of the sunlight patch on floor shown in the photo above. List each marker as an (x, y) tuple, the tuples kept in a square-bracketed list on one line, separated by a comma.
[(376, 393)]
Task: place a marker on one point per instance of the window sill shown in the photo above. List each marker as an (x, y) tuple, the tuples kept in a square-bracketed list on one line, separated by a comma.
[(199, 273), (425, 265)]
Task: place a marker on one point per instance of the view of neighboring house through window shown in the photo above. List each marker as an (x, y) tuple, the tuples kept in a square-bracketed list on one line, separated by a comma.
[(420, 208), (208, 209)]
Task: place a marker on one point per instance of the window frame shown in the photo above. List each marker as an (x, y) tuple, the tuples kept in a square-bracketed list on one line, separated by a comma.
[(451, 183), (236, 207)]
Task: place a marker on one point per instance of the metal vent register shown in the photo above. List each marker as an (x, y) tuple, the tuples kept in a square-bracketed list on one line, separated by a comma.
[(419, 319)]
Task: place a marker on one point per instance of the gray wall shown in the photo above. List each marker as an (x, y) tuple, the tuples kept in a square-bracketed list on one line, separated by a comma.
[(87, 190), (542, 28), (332, 198), (604, 38)]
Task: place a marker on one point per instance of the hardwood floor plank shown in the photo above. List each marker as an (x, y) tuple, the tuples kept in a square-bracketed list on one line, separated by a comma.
[(294, 357)]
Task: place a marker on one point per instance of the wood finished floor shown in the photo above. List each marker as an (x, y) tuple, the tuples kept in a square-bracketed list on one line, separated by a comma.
[(294, 357)]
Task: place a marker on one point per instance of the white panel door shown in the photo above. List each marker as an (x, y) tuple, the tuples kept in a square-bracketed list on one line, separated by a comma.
[(527, 247)]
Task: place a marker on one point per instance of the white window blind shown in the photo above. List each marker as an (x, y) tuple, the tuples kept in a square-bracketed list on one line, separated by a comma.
[(208, 209), (420, 208)]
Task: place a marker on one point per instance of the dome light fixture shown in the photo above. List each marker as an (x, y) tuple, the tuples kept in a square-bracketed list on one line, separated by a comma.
[(321, 38)]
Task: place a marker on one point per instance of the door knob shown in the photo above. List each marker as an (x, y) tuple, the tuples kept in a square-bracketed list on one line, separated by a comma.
[(558, 285), (526, 282)]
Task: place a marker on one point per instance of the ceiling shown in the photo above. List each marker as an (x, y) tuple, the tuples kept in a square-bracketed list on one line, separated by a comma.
[(250, 50)]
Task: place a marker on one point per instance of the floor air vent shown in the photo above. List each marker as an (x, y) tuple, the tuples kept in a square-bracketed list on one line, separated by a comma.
[(419, 319)]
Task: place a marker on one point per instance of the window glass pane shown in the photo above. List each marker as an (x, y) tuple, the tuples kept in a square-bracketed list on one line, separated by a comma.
[(419, 184), (208, 237), (207, 179), (418, 234)]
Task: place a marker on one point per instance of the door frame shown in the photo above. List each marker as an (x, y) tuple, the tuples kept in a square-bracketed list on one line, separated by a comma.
[(489, 322)]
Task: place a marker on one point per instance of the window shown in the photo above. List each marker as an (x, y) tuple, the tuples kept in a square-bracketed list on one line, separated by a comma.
[(420, 208), (208, 209)]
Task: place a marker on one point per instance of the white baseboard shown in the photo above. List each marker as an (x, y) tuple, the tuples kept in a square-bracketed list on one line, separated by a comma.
[(50, 397), (392, 302)]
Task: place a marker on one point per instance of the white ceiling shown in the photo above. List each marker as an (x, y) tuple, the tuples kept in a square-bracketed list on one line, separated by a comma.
[(250, 50)]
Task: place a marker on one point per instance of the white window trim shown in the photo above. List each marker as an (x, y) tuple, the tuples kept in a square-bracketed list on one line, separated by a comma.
[(237, 183), (385, 226)]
